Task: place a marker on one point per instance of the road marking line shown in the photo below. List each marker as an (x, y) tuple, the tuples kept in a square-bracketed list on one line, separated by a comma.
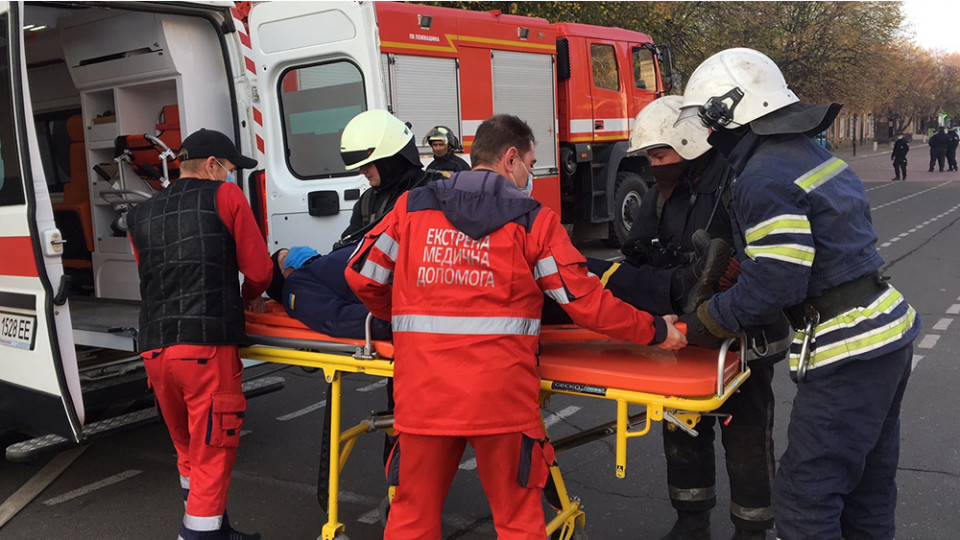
[(303, 411), (370, 517), (943, 324), (916, 360), (374, 386), (548, 422), (917, 228), (929, 341), (953, 310), (79, 492), (901, 199)]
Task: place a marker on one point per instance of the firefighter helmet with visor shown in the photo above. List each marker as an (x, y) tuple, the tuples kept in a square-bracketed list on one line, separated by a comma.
[(443, 133), (372, 135), (733, 88), (653, 128)]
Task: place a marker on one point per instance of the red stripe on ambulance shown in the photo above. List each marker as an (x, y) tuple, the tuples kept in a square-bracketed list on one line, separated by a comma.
[(18, 259)]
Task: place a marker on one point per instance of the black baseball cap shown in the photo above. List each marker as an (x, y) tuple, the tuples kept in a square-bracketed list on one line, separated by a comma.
[(207, 142)]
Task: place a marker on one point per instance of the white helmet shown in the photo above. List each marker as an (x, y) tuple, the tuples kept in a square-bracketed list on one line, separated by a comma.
[(735, 86), (654, 127), (372, 135)]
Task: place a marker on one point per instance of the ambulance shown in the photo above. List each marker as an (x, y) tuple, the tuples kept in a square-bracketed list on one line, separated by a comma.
[(96, 96)]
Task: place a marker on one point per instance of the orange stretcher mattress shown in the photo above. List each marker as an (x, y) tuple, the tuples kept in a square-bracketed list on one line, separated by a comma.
[(577, 356), (275, 323), (571, 357)]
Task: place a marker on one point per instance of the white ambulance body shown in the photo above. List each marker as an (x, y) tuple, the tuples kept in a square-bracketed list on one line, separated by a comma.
[(75, 76)]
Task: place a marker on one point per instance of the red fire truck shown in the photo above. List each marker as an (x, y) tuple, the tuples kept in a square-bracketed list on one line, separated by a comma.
[(578, 86)]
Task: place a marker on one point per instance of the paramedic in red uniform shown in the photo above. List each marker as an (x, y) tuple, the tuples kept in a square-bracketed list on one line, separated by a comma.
[(191, 240), (460, 268)]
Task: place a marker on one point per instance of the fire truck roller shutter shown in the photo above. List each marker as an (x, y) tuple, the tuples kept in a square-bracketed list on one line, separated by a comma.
[(523, 85), (424, 91)]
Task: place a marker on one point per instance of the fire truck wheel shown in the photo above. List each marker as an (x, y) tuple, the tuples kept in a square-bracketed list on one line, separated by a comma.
[(630, 189)]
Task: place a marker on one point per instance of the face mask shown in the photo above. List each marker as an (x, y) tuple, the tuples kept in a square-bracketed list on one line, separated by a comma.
[(667, 176), (231, 175), (527, 189)]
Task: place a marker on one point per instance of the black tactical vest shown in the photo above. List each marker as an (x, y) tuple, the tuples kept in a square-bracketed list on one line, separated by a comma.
[(189, 279), (662, 229)]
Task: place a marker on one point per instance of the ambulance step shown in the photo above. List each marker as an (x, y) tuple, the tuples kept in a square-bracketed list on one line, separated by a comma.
[(26, 451)]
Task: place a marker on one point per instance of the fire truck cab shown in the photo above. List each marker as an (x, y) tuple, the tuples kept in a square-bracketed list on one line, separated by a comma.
[(606, 75)]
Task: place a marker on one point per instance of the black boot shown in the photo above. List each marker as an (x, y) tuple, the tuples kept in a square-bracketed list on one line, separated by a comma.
[(743, 534), (690, 526), (229, 533), (696, 283)]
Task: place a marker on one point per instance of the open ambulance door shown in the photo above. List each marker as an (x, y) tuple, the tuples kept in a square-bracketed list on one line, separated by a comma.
[(318, 66), (39, 383)]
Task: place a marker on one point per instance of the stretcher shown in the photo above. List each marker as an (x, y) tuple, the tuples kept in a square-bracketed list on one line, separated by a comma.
[(676, 387)]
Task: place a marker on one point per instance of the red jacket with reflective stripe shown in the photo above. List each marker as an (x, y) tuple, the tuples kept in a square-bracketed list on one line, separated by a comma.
[(460, 268)]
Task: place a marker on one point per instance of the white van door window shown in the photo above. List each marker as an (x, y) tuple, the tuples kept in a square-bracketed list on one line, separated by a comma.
[(317, 102)]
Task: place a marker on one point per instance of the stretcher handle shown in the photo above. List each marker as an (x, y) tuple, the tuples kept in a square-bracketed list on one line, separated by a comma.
[(721, 360), (368, 335)]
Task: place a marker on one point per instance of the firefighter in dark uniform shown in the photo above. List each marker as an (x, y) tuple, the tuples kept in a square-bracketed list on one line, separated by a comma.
[(384, 151), (811, 255), (191, 240), (938, 148), (691, 197), (899, 157), (953, 139), (445, 145)]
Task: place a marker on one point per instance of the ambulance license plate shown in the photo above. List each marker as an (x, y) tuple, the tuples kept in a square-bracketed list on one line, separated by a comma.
[(17, 330)]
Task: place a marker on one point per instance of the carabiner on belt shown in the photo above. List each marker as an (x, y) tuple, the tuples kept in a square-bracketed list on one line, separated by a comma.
[(812, 317)]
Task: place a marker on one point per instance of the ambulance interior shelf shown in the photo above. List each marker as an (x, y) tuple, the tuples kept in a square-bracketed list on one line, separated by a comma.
[(677, 387)]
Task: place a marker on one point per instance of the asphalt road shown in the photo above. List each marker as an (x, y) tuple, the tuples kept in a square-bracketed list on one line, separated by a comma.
[(125, 486)]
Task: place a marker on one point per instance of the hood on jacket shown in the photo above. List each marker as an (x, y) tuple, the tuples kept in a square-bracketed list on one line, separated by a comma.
[(480, 202)]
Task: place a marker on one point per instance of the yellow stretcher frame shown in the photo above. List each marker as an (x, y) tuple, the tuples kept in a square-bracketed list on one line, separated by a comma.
[(685, 412)]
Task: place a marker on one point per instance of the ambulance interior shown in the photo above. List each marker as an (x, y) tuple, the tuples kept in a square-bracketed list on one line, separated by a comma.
[(106, 85)]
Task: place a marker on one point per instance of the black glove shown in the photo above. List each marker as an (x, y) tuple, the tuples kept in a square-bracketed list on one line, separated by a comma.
[(702, 330), (697, 333)]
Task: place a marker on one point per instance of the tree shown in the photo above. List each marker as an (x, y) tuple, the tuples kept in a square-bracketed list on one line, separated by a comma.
[(911, 85)]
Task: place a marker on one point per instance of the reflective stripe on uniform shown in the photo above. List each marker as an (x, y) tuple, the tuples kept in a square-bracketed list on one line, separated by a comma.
[(786, 223), (691, 494), (375, 272), (387, 245), (820, 174), (545, 267), (760, 513), (791, 253), (859, 343), (197, 523), (558, 295), (475, 326), (884, 304)]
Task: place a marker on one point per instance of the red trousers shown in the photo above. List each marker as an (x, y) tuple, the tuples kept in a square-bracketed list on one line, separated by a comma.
[(199, 394), (428, 465)]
